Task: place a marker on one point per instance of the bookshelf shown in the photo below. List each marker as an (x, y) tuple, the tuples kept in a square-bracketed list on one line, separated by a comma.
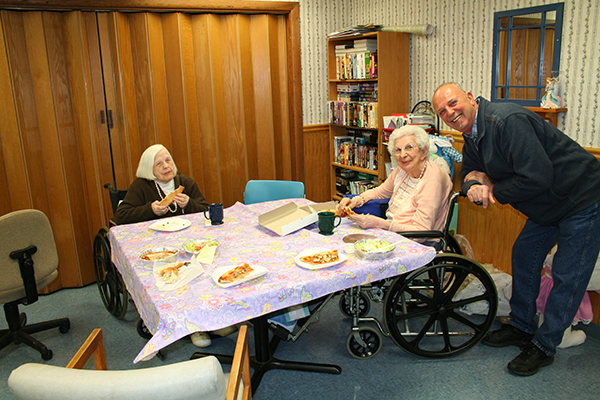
[(367, 88)]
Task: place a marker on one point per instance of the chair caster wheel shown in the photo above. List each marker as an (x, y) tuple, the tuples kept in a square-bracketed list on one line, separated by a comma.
[(65, 328), (46, 354), (371, 338)]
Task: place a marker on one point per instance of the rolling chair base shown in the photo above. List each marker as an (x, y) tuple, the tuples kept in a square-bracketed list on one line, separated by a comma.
[(18, 332)]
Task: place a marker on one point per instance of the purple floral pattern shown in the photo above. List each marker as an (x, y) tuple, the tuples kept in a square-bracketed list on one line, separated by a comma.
[(202, 305)]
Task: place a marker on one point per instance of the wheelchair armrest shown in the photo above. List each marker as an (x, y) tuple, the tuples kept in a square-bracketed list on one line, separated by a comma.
[(423, 234)]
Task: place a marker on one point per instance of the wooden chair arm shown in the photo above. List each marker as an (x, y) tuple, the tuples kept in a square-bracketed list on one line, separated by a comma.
[(240, 368), (91, 347)]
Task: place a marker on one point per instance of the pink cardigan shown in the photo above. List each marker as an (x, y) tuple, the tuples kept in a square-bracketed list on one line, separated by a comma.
[(425, 210)]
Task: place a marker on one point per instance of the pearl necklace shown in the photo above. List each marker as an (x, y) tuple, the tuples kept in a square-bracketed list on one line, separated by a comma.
[(420, 176), (162, 197), (406, 187)]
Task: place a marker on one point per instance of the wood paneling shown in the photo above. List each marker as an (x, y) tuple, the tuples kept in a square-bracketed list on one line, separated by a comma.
[(317, 185), (217, 89)]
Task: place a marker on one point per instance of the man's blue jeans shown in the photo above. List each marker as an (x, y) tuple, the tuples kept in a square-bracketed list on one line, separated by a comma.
[(578, 239)]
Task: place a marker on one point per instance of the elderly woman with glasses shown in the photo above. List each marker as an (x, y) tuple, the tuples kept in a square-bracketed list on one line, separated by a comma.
[(157, 177), (418, 190)]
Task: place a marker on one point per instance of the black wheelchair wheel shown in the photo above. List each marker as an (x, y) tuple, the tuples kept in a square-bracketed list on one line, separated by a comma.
[(427, 313), (110, 284), (142, 330), (371, 338), (361, 302)]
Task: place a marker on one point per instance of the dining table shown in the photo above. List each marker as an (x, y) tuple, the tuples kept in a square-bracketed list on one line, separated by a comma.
[(204, 305)]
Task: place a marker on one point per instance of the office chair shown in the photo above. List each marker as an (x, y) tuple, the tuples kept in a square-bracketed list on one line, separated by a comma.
[(201, 378), (259, 191), (28, 262)]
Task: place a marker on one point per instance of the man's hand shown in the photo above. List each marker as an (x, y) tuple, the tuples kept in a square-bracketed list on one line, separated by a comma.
[(482, 194), (480, 177)]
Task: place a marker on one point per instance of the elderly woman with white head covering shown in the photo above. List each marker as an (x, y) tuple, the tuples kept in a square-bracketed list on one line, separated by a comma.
[(157, 177), (418, 191)]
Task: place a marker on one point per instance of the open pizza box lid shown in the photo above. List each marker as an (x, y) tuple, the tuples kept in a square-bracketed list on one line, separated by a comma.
[(291, 217)]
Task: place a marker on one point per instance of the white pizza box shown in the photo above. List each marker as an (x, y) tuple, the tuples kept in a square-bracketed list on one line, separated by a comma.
[(291, 217)]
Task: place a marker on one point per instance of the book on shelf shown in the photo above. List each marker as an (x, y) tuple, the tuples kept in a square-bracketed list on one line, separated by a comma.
[(358, 187), (357, 92), (356, 65), (357, 150), (354, 114)]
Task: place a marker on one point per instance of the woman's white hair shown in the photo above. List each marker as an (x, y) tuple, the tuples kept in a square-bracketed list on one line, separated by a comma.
[(146, 166), (421, 138)]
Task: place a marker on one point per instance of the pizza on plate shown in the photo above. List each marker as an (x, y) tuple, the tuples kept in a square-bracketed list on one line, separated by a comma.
[(324, 257), (236, 274)]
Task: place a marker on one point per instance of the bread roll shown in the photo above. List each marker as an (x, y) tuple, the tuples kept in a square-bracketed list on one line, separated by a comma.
[(169, 198)]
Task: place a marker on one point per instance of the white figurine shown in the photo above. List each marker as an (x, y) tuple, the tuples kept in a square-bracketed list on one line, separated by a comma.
[(551, 98)]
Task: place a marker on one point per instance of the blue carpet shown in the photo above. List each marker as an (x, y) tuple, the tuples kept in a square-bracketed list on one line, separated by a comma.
[(480, 373)]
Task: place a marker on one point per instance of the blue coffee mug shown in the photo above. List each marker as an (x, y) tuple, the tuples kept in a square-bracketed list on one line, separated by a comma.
[(215, 213)]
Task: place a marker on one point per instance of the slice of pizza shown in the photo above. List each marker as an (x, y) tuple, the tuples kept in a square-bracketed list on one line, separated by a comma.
[(171, 196), (324, 257), (236, 274), (346, 211)]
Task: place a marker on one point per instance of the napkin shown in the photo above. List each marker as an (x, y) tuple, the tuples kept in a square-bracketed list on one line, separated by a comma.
[(206, 255)]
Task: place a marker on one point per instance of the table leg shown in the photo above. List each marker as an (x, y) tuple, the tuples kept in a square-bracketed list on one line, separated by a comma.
[(264, 361)]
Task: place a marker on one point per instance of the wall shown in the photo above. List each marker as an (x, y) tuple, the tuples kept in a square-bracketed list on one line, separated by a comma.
[(459, 50)]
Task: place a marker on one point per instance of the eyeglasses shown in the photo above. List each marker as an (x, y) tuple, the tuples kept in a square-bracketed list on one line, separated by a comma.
[(409, 148)]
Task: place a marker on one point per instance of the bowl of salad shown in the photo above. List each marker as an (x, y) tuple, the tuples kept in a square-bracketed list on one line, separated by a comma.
[(196, 246), (374, 249)]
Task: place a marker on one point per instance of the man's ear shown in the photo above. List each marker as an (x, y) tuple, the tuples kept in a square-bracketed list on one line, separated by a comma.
[(471, 98)]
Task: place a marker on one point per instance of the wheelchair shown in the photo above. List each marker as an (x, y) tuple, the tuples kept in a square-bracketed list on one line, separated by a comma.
[(110, 283), (424, 311)]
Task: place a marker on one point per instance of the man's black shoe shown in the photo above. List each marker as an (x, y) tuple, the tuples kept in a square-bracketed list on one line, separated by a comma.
[(507, 335), (529, 361)]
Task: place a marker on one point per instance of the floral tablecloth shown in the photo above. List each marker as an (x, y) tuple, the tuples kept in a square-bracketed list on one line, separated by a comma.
[(202, 305)]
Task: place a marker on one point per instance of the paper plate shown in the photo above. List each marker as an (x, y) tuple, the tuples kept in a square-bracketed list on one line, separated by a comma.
[(357, 236), (170, 224), (315, 250), (257, 271)]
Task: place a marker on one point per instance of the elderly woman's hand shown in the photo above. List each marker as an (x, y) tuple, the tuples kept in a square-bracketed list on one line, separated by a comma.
[(356, 201), (367, 221), (343, 204), (182, 200), (157, 209)]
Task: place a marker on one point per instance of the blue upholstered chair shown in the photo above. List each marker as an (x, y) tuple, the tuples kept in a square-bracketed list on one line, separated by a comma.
[(259, 191)]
